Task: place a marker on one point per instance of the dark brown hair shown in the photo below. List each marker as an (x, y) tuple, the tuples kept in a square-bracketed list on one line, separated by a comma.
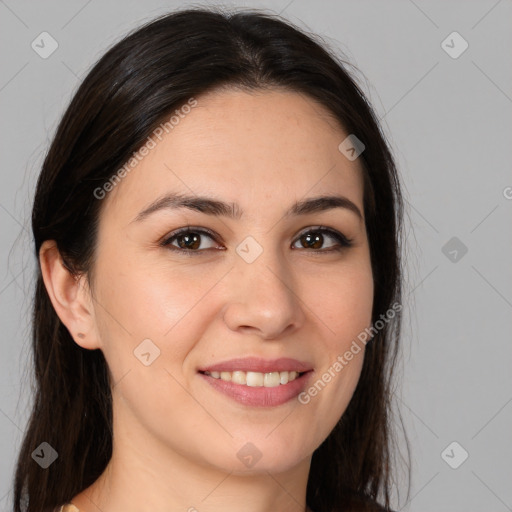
[(125, 96)]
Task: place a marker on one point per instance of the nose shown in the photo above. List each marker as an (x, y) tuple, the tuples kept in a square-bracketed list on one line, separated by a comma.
[(263, 299)]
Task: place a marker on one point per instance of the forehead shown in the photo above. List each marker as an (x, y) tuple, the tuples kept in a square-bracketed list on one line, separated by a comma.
[(246, 147)]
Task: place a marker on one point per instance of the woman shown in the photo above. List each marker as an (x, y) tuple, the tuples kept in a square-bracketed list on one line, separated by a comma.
[(217, 307)]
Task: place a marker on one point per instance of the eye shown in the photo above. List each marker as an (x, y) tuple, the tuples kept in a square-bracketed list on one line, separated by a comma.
[(188, 240), (314, 239)]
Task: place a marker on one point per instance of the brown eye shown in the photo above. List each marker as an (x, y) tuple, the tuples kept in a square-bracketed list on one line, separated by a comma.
[(315, 238), (189, 240), (310, 241)]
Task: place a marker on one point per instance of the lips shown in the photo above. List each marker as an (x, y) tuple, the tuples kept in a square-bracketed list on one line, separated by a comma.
[(255, 364), (255, 394)]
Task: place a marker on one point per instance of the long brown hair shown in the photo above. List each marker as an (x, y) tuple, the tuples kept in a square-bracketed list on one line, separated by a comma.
[(125, 96)]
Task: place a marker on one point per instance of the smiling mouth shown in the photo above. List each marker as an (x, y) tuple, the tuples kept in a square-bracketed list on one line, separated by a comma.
[(256, 379)]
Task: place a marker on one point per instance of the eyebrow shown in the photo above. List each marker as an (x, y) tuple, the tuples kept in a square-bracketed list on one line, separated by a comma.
[(218, 208)]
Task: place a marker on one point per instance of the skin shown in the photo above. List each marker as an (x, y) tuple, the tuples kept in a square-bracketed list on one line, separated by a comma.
[(176, 438)]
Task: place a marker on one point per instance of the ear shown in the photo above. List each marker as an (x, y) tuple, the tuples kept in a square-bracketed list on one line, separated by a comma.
[(70, 296)]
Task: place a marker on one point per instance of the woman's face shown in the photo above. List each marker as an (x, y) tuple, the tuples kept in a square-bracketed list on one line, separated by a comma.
[(258, 281)]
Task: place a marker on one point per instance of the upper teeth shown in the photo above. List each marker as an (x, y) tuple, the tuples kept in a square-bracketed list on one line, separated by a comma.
[(256, 379)]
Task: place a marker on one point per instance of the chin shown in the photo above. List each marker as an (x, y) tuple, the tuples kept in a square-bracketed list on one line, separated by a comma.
[(262, 456)]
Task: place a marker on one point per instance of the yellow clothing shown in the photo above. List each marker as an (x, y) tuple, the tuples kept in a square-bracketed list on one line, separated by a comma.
[(67, 507)]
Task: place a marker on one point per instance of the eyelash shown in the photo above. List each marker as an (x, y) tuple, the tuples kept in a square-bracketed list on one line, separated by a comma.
[(344, 242)]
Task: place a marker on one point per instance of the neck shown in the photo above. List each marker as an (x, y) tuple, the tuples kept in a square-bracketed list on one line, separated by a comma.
[(149, 476)]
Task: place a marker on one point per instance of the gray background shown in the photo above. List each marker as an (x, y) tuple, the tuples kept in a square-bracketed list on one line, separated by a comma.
[(449, 123)]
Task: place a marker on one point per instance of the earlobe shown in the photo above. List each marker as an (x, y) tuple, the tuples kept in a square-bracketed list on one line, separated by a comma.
[(69, 295)]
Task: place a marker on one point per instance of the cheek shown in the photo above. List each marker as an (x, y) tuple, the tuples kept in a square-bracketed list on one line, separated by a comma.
[(342, 301), (148, 300), (150, 380), (345, 311)]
